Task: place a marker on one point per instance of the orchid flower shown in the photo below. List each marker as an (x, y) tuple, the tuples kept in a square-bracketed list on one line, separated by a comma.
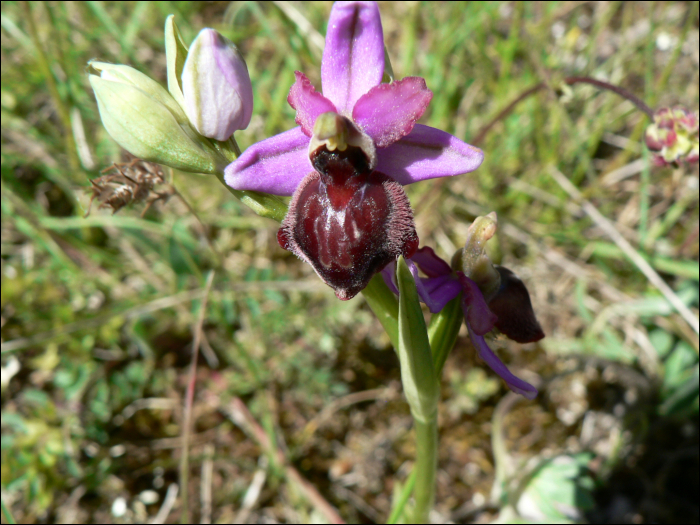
[(355, 146), (506, 306)]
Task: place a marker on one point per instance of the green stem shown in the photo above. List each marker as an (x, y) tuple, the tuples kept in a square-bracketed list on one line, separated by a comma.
[(265, 205), (426, 467), (234, 146), (420, 386), (443, 331)]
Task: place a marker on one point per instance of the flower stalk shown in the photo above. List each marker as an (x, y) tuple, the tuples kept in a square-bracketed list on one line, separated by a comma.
[(426, 468), (421, 388), (569, 81)]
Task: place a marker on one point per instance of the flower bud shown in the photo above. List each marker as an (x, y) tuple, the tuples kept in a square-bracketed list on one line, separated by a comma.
[(673, 136), (505, 293), (146, 121), (475, 263), (216, 86), (128, 75)]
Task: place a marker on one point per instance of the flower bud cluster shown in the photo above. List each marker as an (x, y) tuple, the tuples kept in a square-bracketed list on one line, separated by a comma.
[(209, 96), (673, 137)]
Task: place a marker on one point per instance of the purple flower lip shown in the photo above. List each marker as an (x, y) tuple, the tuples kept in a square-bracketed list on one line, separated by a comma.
[(515, 316), (351, 74), (346, 219)]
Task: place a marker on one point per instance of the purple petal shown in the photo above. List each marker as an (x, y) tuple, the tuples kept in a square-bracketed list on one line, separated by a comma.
[(441, 290), (427, 153), (434, 292), (389, 276), (308, 102), (353, 59), (476, 311), (388, 112), (429, 263), (275, 165), (423, 293), (516, 384)]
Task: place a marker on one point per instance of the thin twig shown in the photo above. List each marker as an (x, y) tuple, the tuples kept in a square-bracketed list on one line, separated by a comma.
[(358, 502), (189, 399), (639, 261), (219, 258), (641, 106), (242, 417), (569, 81), (208, 352), (252, 495), (205, 485), (168, 502)]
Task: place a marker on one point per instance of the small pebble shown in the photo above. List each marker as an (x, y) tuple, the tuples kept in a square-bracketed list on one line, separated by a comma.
[(149, 497), (119, 507)]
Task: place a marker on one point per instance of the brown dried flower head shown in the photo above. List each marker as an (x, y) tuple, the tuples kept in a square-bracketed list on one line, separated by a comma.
[(126, 182)]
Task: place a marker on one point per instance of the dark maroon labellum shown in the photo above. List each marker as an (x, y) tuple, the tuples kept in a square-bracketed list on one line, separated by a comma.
[(512, 306), (348, 222)]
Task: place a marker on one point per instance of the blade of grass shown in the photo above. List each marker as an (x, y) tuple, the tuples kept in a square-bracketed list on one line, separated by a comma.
[(189, 399), (644, 181), (6, 513), (627, 248), (400, 503), (44, 64)]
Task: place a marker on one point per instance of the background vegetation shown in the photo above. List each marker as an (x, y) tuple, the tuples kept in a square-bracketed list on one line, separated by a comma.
[(99, 313)]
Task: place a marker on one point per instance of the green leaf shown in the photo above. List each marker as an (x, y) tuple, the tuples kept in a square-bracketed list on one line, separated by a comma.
[(662, 341), (385, 306), (400, 497), (677, 366), (442, 332), (420, 384), (175, 55), (684, 398), (560, 489)]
